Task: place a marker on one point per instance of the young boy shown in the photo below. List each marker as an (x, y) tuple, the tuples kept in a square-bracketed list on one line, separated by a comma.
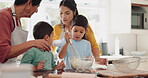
[(38, 58), (82, 46)]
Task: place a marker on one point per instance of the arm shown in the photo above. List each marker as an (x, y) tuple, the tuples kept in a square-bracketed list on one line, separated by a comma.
[(19, 49), (94, 46), (64, 48), (6, 50), (6, 27), (96, 52), (62, 53)]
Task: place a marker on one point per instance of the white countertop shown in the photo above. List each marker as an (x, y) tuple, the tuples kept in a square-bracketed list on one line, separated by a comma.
[(114, 57)]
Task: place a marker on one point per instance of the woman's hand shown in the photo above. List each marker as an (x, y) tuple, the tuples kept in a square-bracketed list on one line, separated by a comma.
[(41, 44), (101, 61)]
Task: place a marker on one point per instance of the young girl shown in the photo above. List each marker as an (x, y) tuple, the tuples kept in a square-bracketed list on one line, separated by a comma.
[(68, 11), (82, 46)]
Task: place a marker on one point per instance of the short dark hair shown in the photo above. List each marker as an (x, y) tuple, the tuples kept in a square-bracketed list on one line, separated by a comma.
[(80, 20), (70, 4), (41, 29), (34, 2)]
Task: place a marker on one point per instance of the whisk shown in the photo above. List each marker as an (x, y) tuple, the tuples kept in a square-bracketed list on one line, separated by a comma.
[(73, 49)]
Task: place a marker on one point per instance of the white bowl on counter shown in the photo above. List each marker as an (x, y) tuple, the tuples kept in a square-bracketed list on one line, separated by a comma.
[(127, 65), (81, 62)]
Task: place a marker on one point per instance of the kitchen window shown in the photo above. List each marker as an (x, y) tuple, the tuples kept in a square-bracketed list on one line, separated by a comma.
[(95, 11)]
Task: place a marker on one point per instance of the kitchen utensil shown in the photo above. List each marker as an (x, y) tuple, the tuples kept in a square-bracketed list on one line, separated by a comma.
[(127, 65), (83, 63), (73, 49)]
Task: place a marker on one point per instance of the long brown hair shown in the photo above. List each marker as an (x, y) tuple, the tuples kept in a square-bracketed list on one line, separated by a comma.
[(71, 5)]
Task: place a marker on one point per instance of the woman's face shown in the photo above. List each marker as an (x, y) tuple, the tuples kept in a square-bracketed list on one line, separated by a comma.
[(66, 15), (78, 32)]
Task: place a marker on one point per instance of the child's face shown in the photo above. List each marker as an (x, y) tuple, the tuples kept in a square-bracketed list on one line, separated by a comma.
[(78, 32), (50, 39)]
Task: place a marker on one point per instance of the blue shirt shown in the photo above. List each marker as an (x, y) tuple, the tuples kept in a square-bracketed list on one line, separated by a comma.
[(83, 48), (34, 56)]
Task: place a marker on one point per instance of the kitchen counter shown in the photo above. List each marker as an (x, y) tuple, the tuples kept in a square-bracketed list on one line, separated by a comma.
[(114, 57), (58, 74), (102, 74), (52, 74)]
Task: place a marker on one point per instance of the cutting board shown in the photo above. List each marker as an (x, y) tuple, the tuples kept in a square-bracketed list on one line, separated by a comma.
[(117, 74)]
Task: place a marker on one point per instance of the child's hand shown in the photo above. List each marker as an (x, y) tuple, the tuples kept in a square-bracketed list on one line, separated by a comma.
[(40, 65), (67, 36), (60, 65)]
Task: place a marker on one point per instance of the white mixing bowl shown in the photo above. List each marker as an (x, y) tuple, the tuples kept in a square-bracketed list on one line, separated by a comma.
[(81, 62)]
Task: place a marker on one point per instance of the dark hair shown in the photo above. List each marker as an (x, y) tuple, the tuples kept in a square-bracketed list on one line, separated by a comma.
[(81, 21), (41, 29), (70, 4), (20, 2)]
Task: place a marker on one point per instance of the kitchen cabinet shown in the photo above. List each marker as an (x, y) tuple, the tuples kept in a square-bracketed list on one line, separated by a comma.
[(139, 31), (119, 12), (144, 2), (119, 16)]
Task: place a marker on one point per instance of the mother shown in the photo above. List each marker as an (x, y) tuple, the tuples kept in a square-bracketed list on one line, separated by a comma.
[(68, 10)]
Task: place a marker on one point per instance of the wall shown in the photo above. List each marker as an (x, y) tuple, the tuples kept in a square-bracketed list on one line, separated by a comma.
[(142, 41), (127, 41)]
